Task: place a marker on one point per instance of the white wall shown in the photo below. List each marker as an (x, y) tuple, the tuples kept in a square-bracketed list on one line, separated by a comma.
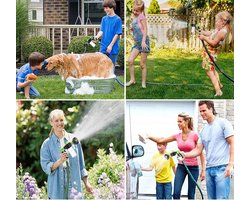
[(160, 119)]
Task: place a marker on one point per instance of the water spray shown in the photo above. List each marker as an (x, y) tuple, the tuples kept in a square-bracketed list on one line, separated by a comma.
[(99, 116)]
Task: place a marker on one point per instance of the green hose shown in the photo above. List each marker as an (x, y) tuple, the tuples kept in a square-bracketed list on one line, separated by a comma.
[(190, 174)]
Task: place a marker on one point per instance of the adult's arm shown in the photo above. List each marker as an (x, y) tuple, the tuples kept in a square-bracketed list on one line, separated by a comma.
[(159, 140), (195, 152), (230, 165)]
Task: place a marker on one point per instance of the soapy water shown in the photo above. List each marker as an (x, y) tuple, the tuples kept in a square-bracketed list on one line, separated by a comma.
[(100, 115)]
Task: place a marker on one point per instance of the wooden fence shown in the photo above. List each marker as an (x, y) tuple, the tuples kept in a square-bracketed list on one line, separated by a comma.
[(175, 31), (61, 35)]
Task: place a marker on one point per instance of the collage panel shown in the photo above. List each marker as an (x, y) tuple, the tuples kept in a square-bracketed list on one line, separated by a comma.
[(179, 49), (70, 150), (73, 49), (168, 142), (125, 99)]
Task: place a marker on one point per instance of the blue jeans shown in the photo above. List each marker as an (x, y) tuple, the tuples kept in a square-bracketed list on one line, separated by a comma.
[(113, 58), (180, 176), (33, 90), (218, 186), (164, 190)]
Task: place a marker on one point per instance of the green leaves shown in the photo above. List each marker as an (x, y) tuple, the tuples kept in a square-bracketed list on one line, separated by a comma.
[(40, 44), (154, 7)]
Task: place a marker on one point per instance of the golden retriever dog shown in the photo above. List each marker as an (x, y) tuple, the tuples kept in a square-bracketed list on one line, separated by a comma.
[(79, 65)]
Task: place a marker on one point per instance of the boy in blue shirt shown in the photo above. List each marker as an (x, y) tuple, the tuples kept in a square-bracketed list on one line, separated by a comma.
[(110, 31), (36, 61)]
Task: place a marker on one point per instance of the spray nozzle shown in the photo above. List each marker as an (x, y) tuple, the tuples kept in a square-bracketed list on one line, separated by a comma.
[(92, 41), (178, 154), (68, 147), (195, 28)]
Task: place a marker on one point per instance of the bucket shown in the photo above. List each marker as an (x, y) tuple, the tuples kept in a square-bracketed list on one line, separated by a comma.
[(89, 85)]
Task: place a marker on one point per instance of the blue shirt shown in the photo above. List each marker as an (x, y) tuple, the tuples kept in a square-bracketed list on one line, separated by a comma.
[(110, 26), (57, 179), (213, 138), (23, 72)]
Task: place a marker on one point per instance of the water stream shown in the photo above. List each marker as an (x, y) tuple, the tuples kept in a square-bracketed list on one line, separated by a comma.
[(100, 115)]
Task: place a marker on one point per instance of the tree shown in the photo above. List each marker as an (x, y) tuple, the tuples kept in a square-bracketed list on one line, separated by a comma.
[(154, 7), (22, 24)]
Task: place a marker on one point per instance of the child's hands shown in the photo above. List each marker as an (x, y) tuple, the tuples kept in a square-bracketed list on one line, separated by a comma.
[(144, 45), (131, 27), (109, 49), (201, 37), (31, 77)]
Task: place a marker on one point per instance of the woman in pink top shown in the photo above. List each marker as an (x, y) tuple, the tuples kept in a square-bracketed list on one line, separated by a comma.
[(186, 140)]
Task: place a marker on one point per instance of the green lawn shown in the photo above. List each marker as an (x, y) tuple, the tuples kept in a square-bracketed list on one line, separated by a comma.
[(176, 74), (53, 87)]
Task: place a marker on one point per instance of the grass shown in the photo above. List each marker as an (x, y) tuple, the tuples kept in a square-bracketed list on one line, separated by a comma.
[(52, 87), (177, 74)]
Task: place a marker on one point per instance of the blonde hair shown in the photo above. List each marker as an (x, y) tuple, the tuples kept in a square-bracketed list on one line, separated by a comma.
[(53, 114), (188, 119), (228, 20), (139, 4)]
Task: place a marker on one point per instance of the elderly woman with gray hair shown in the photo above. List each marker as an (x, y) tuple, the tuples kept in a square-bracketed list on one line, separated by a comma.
[(62, 160)]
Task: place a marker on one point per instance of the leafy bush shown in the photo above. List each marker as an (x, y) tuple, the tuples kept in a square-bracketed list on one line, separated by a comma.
[(120, 59), (154, 7), (40, 44), (80, 45), (107, 175)]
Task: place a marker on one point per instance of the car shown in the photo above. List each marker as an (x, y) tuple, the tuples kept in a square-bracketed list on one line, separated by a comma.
[(133, 170)]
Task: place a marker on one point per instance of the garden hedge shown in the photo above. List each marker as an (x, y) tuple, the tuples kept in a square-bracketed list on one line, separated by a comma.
[(39, 44)]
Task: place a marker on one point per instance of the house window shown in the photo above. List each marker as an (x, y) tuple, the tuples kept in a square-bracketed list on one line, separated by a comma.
[(93, 12), (34, 15)]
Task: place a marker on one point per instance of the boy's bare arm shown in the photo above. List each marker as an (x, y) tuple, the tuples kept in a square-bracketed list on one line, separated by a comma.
[(109, 48), (146, 168), (99, 34), (174, 169), (24, 84)]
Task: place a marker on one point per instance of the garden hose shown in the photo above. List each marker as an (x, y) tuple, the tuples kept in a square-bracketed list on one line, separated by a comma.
[(180, 158), (211, 58)]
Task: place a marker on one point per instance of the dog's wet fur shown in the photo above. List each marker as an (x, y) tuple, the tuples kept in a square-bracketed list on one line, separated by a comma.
[(80, 65)]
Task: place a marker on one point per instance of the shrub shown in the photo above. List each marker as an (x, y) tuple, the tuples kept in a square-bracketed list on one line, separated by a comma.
[(154, 7), (80, 45), (107, 176), (120, 59), (40, 44)]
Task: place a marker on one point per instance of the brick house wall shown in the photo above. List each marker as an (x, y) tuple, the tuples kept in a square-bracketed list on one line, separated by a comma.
[(57, 12), (224, 108)]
